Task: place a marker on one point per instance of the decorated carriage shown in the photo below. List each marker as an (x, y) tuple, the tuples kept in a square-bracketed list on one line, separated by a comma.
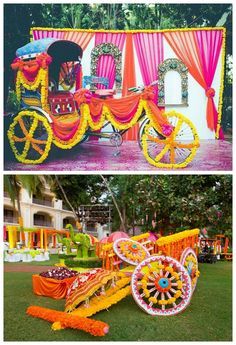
[(46, 72), (161, 276)]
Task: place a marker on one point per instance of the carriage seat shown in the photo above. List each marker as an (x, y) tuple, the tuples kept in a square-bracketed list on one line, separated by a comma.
[(61, 102)]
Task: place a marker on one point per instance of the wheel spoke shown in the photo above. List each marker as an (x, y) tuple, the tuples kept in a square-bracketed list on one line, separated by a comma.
[(177, 128), (37, 148), (172, 154), (37, 141), (162, 153), (22, 126), (17, 139)]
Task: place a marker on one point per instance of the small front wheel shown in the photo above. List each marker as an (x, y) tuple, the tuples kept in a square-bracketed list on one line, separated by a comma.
[(30, 137), (189, 261), (174, 151)]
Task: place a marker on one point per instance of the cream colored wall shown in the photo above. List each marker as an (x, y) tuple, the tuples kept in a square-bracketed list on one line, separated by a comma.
[(28, 209)]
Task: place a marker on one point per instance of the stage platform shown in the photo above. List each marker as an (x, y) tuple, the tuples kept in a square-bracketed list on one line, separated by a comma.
[(213, 155)]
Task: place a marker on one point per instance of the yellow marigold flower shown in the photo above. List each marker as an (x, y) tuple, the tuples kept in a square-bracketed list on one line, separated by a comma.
[(152, 269), (153, 300), (56, 326), (144, 284), (175, 274), (147, 293), (179, 284), (163, 302), (169, 269), (177, 294), (197, 273), (171, 300)]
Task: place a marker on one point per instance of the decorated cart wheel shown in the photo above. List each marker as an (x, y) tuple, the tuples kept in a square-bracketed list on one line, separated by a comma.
[(68, 74), (189, 261), (30, 137), (161, 286), (174, 151), (130, 251)]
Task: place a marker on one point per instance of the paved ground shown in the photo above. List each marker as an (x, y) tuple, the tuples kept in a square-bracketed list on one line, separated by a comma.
[(212, 155), (25, 268)]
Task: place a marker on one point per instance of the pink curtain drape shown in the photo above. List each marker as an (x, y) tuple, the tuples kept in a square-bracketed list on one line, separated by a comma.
[(200, 51), (150, 52), (106, 64)]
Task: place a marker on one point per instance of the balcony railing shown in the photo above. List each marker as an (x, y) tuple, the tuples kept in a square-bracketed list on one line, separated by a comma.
[(44, 223), (11, 220), (43, 202)]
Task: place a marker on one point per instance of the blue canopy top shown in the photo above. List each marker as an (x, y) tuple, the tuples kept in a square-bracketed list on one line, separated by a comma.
[(37, 46)]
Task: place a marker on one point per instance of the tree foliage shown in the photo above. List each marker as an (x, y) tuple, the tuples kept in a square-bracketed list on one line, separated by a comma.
[(158, 202)]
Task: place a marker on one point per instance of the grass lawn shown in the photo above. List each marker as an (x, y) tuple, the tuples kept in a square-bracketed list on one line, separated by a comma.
[(208, 317)]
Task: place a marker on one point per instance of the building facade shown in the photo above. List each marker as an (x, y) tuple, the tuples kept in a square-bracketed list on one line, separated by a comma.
[(45, 211)]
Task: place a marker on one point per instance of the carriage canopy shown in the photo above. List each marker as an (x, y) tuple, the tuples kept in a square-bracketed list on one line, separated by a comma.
[(60, 50)]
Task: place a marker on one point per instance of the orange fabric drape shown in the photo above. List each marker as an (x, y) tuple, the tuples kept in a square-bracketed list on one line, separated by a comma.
[(49, 287), (129, 77), (119, 107), (129, 80), (185, 46)]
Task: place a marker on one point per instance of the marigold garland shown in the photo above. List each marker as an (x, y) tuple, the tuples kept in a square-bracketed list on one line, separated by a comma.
[(63, 320), (40, 80), (112, 296), (177, 237), (123, 31), (221, 92)]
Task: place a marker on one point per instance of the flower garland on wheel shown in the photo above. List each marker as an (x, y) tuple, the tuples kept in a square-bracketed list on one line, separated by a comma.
[(130, 251), (28, 137)]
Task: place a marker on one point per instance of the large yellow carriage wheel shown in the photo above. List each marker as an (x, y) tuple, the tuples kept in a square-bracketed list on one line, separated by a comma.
[(30, 137), (174, 151)]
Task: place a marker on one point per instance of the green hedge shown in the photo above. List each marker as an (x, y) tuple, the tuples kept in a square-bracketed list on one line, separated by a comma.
[(65, 256), (85, 263)]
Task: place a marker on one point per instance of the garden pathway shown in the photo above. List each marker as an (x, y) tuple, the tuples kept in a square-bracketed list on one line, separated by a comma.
[(26, 268)]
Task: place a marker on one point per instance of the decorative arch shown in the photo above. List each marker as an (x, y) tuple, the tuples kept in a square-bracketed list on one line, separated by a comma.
[(177, 65), (107, 49)]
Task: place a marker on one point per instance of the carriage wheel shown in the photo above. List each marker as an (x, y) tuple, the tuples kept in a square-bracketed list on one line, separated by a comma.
[(174, 151), (189, 261), (130, 251), (161, 286), (68, 74), (30, 137)]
